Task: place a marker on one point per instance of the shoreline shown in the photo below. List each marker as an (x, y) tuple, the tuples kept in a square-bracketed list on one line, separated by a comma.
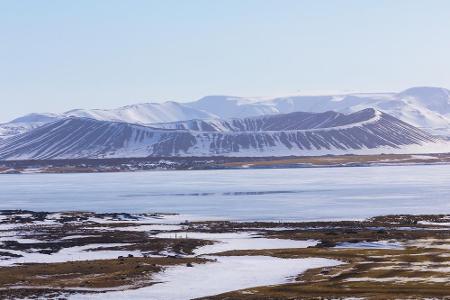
[(216, 163)]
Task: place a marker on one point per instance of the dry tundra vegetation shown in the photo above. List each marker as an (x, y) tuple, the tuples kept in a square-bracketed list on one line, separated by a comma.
[(418, 267), (202, 163), (344, 160)]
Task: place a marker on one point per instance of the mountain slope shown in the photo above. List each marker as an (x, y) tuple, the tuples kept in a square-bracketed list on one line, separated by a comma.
[(279, 122), (300, 134), (25, 123)]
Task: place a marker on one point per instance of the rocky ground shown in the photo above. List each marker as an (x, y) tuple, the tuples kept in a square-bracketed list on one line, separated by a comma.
[(63, 254)]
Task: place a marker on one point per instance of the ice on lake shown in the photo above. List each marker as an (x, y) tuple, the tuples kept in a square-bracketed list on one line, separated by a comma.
[(248, 194)]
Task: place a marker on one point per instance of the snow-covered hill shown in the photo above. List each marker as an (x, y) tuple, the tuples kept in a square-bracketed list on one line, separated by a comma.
[(367, 131), (25, 123), (145, 113)]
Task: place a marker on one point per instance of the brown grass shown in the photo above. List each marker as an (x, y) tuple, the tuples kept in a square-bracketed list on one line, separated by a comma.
[(376, 264), (341, 159), (105, 274)]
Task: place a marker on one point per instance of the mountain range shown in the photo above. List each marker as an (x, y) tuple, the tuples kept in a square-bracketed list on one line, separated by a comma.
[(298, 133), (427, 108), (409, 121)]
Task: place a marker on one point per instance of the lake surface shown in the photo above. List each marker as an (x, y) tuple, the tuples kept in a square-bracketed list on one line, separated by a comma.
[(261, 194)]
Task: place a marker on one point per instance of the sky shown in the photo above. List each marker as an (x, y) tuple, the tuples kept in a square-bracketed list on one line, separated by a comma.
[(60, 55)]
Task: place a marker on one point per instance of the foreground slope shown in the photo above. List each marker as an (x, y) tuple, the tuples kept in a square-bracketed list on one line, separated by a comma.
[(367, 131)]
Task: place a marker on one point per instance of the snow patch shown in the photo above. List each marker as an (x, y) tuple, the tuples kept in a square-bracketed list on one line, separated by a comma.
[(224, 275), (237, 241)]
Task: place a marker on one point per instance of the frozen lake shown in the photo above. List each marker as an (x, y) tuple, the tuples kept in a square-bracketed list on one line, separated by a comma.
[(263, 194)]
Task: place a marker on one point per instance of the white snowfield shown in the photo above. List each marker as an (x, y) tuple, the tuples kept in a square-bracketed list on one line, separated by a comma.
[(237, 241), (224, 275), (77, 253)]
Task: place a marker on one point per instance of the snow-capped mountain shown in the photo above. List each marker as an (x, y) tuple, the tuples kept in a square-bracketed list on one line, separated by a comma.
[(234, 107), (425, 107), (25, 123), (367, 131), (145, 113)]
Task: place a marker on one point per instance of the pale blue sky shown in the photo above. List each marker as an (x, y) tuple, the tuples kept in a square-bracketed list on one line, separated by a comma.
[(58, 55)]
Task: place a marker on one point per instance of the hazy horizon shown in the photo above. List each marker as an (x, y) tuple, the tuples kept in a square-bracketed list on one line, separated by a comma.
[(58, 56)]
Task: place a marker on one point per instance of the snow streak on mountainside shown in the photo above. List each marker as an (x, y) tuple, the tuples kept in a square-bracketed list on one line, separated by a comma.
[(280, 122), (367, 131)]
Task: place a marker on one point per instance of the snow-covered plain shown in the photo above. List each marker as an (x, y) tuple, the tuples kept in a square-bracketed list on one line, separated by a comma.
[(237, 241), (226, 274), (77, 253), (219, 274)]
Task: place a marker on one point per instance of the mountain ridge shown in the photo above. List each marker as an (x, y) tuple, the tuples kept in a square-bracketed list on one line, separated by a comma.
[(425, 107), (76, 137)]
